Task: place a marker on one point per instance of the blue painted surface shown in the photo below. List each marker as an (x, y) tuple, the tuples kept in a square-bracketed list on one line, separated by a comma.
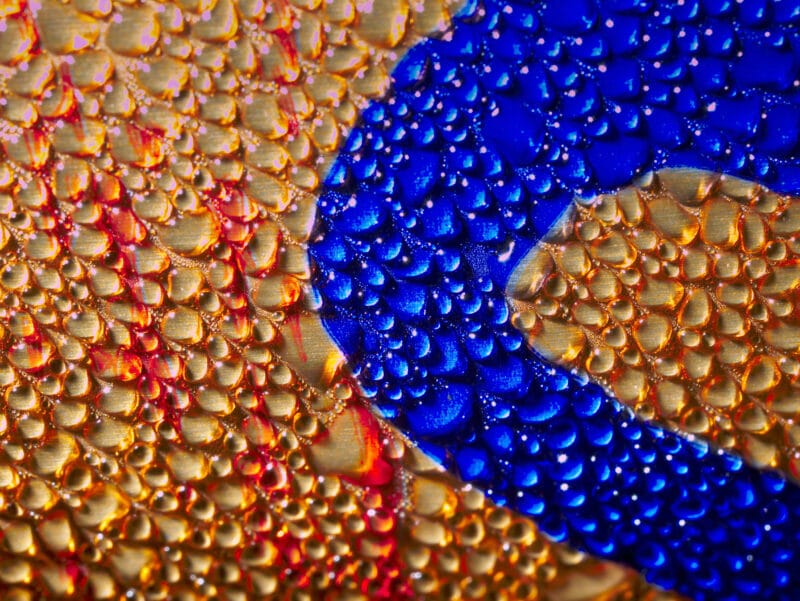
[(484, 141)]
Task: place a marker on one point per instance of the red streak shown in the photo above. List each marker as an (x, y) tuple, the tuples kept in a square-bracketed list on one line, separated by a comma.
[(286, 102), (141, 139), (65, 75), (287, 44), (297, 335), (142, 362)]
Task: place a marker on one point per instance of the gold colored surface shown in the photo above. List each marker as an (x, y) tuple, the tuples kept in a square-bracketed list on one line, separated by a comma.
[(670, 295), (175, 424)]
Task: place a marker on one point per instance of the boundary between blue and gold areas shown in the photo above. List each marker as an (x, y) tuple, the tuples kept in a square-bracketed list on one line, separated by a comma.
[(485, 139)]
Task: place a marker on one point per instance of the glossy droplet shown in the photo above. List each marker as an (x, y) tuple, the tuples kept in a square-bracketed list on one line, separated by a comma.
[(359, 463), (717, 345), (31, 356), (673, 221)]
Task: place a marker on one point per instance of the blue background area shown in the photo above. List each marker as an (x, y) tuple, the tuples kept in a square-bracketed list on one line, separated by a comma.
[(484, 141)]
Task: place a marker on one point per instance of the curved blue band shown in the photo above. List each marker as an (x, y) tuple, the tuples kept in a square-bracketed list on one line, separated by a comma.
[(484, 141)]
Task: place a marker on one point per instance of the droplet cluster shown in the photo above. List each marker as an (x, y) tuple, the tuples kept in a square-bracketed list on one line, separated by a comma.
[(174, 423), (156, 434), (488, 135), (680, 297)]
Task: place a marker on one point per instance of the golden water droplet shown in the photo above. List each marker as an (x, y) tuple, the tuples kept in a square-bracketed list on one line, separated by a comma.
[(429, 533), (629, 385), (432, 497), (719, 221), (558, 342), (600, 361), (783, 280), (660, 294), (695, 421), (51, 458), (613, 250), (281, 405), (589, 315), (688, 186), (15, 571), (165, 77), (84, 138), (652, 333), (35, 495), (30, 356), (671, 398), (696, 311), (751, 418), (721, 392), (135, 146), (631, 206), (753, 233), (784, 336), (111, 434), (735, 294), (761, 376), (672, 220), (734, 353), (134, 32), (276, 292), (191, 235), (572, 259), (89, 242), (200, 429), (64, 30), (786, 220)]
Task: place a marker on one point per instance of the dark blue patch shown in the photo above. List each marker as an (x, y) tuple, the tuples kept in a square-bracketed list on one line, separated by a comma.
[(450, 411), (483, 142)]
